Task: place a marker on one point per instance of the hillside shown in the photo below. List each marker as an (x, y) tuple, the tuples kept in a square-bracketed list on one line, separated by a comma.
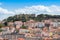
[(26, 17)]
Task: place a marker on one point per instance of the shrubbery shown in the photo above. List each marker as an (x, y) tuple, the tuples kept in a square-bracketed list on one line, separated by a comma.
[(1, 25), (24, 27)]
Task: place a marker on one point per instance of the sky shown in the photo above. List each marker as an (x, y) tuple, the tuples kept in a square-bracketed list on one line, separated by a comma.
[(13, 7)]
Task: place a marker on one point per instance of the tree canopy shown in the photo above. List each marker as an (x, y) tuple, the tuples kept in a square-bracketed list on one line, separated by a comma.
[(26, 17)]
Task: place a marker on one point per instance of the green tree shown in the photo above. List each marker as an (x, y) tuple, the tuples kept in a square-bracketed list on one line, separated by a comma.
[(23, 18), (1, 30), (24, 27), (1, 25)]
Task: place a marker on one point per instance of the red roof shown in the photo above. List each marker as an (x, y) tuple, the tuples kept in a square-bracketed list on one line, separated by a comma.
[(21, 39)]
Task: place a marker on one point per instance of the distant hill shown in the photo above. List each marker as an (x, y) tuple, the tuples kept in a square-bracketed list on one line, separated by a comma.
[(26, 17)]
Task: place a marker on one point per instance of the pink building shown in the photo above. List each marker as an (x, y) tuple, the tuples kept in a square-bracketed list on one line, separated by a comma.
[(30, 23), (10, 23), (18, 24)]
